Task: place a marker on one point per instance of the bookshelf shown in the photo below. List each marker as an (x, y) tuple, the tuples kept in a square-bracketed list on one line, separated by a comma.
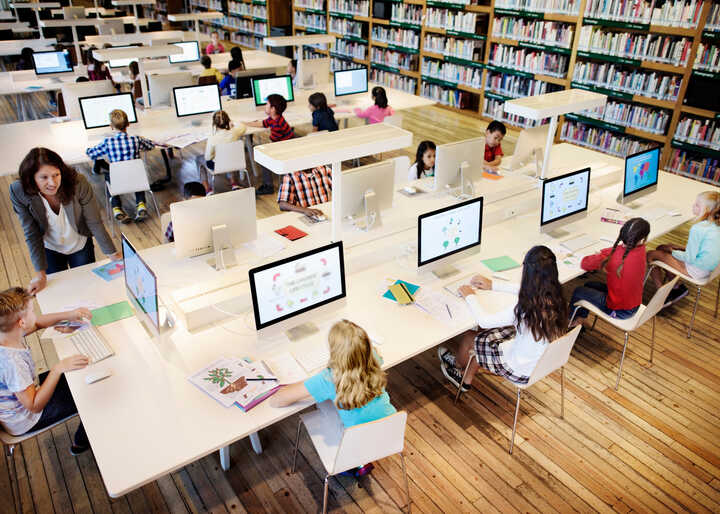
[(472, 56)]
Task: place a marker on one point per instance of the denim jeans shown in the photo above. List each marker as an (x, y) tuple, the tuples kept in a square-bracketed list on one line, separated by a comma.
[(57, 261), (596, 294), (60, 406)]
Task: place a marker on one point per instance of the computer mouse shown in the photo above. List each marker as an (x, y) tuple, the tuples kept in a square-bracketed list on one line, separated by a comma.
[(96, 376), (410, 190), (319, 217)]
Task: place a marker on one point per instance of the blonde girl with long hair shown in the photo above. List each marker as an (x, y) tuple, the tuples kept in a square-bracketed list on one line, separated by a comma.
[(701, 254)]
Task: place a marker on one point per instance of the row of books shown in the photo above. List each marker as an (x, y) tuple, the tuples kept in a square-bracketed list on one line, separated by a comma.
[(310, 4), (407, 13), (346, 27), (651, 47), (602, 140), (493, 108), (354, 7), (451, 20), (445, 96), (533, 31), (706, 169), (400, 37), (640, 117), (517, 87), (215, 5), (628, 80), (393, 58), (309, 20), (570, 7), (256, 27), (528, 60), (707, 58), (240, 8), (469, 49), (635, 11), (349, 48), (246, 40), (450, 72), (702, 132), (679, 13), (713, 19), (386, 78), (341, 64)]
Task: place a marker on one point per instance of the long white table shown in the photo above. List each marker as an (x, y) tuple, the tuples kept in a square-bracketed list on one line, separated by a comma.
[(147, 419)]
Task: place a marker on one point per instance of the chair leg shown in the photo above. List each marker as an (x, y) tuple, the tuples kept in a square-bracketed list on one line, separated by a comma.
[(157, 210), (562, 392), (517, 411), (297, 442), (467, 366), (647, 274), (111, 221), (572, 318), (325, 494), (593, 325), (407, 485), (692, 318), (622, 359), (717, 298), (652, 343)]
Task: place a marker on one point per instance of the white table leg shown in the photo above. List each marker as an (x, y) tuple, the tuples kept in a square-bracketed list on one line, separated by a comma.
[(548, 146), (225, 458), (249, 146), (255, 442), (336, 187)]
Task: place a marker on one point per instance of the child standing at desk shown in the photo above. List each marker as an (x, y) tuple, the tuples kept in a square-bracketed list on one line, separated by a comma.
[(493, 150), (208, 70), (424, 165), (24, 406), (223, 131), (323, 117), (279, 131), (301, 190), (353, 381), (378, 112)]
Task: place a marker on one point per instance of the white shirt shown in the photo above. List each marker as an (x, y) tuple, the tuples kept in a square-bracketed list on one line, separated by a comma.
[(412, 172), (17, 373), (60, 235)]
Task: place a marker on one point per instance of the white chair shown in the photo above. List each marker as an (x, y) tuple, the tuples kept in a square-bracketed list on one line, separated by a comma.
[(341, 449), (699, 284), (230, 157), (554, 357), (127, 177), (402, 164), (643, 315)]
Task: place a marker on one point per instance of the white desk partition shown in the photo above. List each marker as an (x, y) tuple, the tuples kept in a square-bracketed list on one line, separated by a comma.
[(15, 46), (196, 17), (36, 6), (299, 41)]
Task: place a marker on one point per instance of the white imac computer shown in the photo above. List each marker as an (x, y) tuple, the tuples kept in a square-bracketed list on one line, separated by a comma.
[(52, 64), (641, 175), (121, 63), (218, 223), (191, 52), (366, 192), (284, 290), (459, 165), (280, 85), (529, 151), (445, 233), (194, 100), (313, 73), (350, 82), (96, 110), (565, 200)]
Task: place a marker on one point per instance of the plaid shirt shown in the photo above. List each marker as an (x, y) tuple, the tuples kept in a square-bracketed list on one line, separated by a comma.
[(279, 129), (120, 147), (306, 188), (170, 233)]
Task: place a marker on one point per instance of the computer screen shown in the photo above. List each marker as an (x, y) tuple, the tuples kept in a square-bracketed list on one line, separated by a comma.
[(349, 82), (52, 62), (565, 195), (140, 282), (289, 287), (243, 85), (191, 100), (282, 85), (191, 52), (122, 63), (449, 230), (641, 171), (96, 109)]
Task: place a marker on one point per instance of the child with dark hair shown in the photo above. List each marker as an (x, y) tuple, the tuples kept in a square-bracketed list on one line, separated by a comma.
[(190, 190), (292, 70), (510, 342), (625, 264), (280, 130), (227, 84), (26, 59), (424, 165), (208, 70), (493, 151), (323, 117), (237, 55), (378, 112)]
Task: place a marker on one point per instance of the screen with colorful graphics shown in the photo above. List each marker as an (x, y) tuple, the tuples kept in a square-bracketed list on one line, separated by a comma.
[(140, 282), (641, 171), (565, 195), (449, 230)]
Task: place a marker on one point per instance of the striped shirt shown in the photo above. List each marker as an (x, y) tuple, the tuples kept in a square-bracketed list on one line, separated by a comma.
[(279, 129), (306, 188), (120, 147)]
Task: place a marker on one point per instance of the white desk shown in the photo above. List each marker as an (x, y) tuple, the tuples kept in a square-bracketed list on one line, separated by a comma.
[(15, 46), (196, 17), (148, 397), (36, 6), (7, 16), (20, 84), (87, 22), (299, 41)]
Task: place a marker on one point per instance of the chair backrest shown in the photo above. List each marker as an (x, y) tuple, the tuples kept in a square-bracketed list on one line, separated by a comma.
[(402, 164), (555, 356), (9, 439), (128, 177), (206, 81), (162, 84), (165, 219), (656, 302), (394, 120), (74, 91), (230, 157), (370, 441), (110, 27), (73, 13), (715, 274)]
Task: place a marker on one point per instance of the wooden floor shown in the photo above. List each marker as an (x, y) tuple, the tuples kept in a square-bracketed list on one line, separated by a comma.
[(652, 446)]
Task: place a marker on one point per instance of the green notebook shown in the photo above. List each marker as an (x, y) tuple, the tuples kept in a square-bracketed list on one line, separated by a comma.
[(110, 313), (500, 263)]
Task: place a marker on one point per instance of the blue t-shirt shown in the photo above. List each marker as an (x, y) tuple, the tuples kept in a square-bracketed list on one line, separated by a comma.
[(321, 388), (324, 120), (227, 85)]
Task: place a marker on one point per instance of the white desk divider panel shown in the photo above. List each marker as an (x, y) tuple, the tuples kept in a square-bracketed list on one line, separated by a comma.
[(299, 41), (36, 6), (334, 147), (196, 17), (134, 4), (14, 46), (87, 22), (552, 105), (146, 38)]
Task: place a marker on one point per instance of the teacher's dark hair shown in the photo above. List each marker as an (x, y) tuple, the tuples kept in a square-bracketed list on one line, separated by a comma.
[(38, 157)]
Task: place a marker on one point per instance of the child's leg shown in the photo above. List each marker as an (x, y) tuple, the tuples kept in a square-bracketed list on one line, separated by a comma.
[(593, 292), (234, 179), (61, 406), (114, 200), (667, 258), (467, 343), (203, 172)]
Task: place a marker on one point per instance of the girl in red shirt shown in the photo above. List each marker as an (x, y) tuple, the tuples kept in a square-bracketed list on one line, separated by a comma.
[(625, 265)]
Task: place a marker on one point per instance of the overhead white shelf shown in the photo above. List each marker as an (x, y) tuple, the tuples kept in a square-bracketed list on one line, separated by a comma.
[(310, 39), (107, 54), (554, 104), (196, 16)]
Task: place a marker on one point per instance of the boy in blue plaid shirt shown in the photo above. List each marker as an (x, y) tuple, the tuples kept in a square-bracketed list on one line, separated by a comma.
[(121, 147)]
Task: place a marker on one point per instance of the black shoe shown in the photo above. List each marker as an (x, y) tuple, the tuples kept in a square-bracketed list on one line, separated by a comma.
[(446, 356), (97, 168), (265, 189), (677, 293), (77, 449), (455, 376)]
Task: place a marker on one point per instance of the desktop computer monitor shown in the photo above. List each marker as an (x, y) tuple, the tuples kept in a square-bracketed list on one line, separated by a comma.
[(141, 286), (350, 82), (262, 88), (529, 150), (191, 52), (52, 62), (564, 199), (366, 191), (449, 158), (446, 232), (193, 221), (191, 100), (96, 110), (243, 85), (641, 174), (122, 63), (313, 73), (290, 287)]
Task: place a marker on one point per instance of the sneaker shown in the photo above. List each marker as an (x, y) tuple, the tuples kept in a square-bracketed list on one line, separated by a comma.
[(141, 212), (454, 375), (120, 216), (77, 449), (364, 470), (210, 192), (97, 169), (446, 356), (265, 189), (234, 186), (677, 293)]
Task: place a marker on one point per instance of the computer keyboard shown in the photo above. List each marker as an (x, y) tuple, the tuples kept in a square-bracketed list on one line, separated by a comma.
[(90, 343), (651, 213), (578, 243), (453, 286), (313, 358)]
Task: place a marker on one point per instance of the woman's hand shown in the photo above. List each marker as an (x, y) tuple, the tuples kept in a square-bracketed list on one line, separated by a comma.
[(80, 314), (481, 282), (38, 283), (466, 291), (117, 256)]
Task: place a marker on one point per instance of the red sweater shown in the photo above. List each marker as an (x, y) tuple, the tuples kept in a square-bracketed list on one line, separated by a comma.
[(625, 291)]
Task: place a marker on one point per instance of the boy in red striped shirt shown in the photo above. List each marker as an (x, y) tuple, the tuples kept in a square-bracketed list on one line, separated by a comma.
[(301, 190), (280, 130)]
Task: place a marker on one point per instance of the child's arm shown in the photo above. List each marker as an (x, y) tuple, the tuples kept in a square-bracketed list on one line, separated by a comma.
[(593, 262), (97, 151), (290, 394), (307, 211), (256, 123), (484, 319), (495, 162), (53, 318), (35, 398), (362, 113)]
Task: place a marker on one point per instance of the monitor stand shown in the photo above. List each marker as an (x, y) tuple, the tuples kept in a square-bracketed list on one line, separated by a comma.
[(445, 271), (633, 205), (299, 332), (572, 244), (224, 252), (371, 218)]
